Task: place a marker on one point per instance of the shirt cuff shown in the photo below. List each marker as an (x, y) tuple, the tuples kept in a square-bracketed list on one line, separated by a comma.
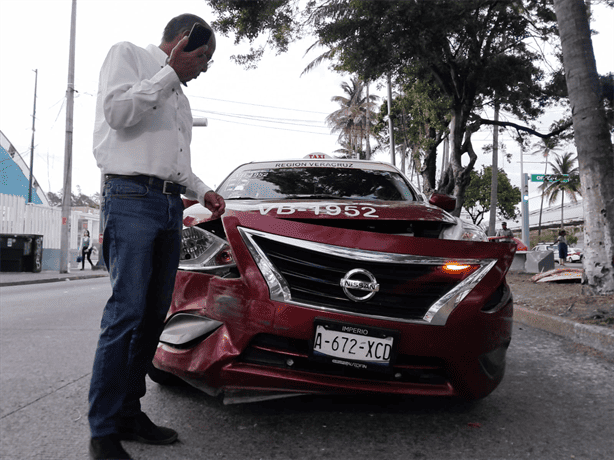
[(167, 76), (198, 194)]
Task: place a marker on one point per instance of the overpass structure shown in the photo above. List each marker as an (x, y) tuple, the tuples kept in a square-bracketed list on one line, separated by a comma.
[(573, 214)]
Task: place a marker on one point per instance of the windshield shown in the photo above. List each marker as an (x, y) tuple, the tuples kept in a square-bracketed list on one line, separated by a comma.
[(307, 183)]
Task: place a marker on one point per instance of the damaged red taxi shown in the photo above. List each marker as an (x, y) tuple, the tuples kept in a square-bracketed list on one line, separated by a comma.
[(335, 276)]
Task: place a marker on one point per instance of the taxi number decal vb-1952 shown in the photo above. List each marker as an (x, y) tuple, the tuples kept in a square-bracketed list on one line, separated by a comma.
[(329, 209)]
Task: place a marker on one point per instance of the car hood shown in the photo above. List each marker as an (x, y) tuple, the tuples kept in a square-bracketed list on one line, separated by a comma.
[(414, 211)]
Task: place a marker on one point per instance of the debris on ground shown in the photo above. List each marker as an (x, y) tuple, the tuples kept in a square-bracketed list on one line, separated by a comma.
[(561, 298), (559, 274)]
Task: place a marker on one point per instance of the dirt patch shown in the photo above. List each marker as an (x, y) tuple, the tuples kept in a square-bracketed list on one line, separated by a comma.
[(563, 299)]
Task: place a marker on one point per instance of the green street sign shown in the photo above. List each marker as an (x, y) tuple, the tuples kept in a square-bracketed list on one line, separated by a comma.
[(549, 177)]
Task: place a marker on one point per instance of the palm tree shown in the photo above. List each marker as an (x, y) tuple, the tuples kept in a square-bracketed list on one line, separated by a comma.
[(548, 147), (350, 121), (564, 164)]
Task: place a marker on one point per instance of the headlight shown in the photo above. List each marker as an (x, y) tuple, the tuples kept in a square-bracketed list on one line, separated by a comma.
[(464, 231), (203, 251)]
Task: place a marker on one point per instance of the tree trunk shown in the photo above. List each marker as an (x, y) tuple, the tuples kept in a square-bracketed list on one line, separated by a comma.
[(456, 139), (458, 147), (595, 152)]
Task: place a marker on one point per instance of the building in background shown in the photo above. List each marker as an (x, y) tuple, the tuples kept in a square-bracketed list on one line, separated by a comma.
[(20, 218), (15, 174)]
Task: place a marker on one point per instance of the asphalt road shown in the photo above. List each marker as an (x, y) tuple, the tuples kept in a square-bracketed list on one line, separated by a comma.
[(554, 403)]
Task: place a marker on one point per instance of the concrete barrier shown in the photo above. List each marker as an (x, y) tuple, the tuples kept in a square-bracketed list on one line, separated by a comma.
[(539, 261), (518, 264)]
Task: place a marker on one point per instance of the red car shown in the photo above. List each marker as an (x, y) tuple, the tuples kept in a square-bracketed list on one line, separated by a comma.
[(520, 246), (331, 276)]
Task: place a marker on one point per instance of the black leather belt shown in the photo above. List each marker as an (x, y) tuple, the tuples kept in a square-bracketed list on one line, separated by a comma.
[(165, 186)]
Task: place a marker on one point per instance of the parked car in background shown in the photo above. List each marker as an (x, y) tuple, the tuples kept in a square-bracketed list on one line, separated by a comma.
[(574, 255), (335, 276), (546, 247)]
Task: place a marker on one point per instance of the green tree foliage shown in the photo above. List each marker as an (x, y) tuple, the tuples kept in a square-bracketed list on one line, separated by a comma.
[(420, 114), (477, 196), (544, 148), (563, 164), (76, 199), (471, 52), (350, 121), (277, 20), (607, 97)]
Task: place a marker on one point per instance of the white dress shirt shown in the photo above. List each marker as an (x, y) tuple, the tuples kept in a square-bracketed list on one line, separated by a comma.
[(143, 120)]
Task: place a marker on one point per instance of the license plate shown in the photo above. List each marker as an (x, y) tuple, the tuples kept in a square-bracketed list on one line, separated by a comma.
[(356, 346)]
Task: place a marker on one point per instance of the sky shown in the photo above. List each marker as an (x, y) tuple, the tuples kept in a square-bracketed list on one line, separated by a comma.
[(268, 113)]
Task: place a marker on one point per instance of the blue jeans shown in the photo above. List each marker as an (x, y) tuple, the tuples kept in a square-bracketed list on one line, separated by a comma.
[(141, 247)]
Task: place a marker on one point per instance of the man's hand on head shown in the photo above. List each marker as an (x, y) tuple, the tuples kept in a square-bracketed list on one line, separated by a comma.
[(188, 65)]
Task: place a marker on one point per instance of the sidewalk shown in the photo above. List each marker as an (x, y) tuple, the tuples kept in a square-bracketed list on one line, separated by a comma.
[(48, 276), (596, 337)]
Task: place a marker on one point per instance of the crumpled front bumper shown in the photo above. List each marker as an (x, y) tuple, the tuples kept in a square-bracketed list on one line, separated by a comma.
[(228, 336)]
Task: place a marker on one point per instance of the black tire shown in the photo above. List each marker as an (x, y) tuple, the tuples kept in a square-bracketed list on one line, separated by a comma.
[(164, 378)]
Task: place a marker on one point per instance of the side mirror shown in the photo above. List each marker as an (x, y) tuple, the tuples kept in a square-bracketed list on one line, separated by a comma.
[(445, 202)]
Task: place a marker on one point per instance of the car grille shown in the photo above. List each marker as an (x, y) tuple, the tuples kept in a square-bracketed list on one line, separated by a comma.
[(287, 353), (309, 274)]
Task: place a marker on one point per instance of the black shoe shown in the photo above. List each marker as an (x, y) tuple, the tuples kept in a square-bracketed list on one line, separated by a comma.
[(108, 448), (141, 429)]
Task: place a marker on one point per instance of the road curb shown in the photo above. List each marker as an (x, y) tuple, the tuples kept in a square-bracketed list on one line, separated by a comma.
[(597, 337), (53, 280)]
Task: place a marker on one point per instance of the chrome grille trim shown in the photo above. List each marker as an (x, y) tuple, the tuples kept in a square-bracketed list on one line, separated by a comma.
[(440, 310), (279, 290)]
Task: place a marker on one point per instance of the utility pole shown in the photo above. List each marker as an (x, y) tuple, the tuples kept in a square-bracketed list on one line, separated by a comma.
[(390, 127), (524, 207), (32, 144), (66, 205), (526, 236)]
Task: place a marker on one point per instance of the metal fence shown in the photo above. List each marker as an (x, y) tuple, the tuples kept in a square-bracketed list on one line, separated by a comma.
[(21, 218)]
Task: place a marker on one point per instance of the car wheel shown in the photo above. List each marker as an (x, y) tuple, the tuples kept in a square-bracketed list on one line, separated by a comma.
[(164, 378)]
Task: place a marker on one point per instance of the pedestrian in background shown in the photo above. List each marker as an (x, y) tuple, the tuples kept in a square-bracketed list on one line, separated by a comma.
[(142, 136), (562, 242), (86, 249), (506, 233)]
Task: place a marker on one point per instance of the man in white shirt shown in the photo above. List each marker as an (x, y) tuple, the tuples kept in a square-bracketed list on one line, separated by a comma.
[(506, 233), (142, 140)]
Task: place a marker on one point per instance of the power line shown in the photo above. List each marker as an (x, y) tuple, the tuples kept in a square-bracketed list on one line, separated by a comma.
[(258, 105), (283, 121), (270, 127)]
